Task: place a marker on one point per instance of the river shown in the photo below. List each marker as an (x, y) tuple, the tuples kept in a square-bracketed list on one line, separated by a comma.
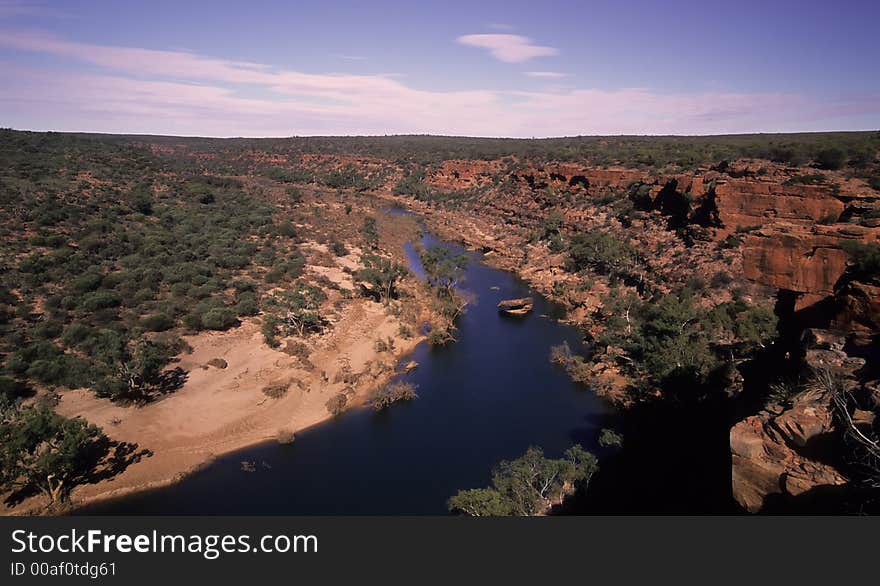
[(486, 397)]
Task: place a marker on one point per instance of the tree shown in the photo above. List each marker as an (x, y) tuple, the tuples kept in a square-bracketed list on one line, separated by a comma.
[(41, 451), (370, 232), (600, 252), (672, 341), (551, 226), (610, 438), (382, 275), (480, 502), (444, 268), (296, 309), (528, 485), (136, 374)]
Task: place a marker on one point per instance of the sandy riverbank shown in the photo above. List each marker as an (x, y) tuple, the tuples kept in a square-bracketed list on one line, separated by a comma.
[(220, 410)]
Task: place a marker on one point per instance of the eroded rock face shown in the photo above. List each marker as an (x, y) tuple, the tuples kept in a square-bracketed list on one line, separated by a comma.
[(795, 258), (745, 203), (463, 174), (797, 231), (858, 307), (775, 455), (808, 259), (785, 452)]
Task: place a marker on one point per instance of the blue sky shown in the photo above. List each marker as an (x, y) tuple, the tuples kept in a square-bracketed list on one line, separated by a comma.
[(478, 68)]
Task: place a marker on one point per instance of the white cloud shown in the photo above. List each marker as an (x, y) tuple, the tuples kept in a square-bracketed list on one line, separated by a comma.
[(547, 74), (133, 90), (22, 8), (508, 48)]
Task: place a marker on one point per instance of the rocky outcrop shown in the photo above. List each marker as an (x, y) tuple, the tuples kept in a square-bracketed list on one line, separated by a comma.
[(745, 203), (463, 174), (784, 452), (806, 259), (771, 452), (857, 306), (794, 231), (516, 306)]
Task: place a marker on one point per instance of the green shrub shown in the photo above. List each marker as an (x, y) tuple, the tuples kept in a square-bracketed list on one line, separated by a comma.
[(528, 485), (864, 259), (600, 252), (219, 318), (247, 305), (831, 159), (157, 322)]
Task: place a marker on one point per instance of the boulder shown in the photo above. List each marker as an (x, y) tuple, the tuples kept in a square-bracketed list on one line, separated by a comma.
[(783, 451), (217, 363), (519, 306), (769, 453)]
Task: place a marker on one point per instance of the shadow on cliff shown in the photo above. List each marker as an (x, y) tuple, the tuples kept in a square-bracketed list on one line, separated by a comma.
[(676, 449)]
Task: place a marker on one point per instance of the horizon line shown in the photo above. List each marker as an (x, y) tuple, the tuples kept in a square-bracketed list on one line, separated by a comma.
[(453, 136)]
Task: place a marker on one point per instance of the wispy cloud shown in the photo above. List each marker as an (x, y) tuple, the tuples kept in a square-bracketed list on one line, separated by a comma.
[(18, 8), (547, 74), (508, 48), (136, 90)]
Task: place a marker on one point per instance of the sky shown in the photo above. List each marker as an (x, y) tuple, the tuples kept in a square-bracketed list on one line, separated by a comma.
[(492, 68)]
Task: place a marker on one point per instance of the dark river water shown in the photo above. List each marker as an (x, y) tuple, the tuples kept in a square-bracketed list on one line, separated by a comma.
[(485, 398)]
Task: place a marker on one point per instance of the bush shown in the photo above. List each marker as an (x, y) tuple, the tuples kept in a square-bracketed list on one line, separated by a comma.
[(601, 252), (721, 279), (276, 390), (219, 318), (158, 322), (864, 259), (392, 393), (610, 438), (337, 403), (830, 159), (338, 248), (193, 321), (287, 230), (269, 329), (12, 389), (575, 366), (529, 485), (247, 305)]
